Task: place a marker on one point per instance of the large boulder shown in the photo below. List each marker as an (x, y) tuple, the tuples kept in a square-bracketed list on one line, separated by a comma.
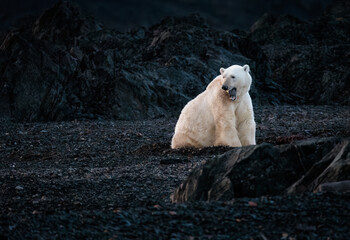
[(268, 169)]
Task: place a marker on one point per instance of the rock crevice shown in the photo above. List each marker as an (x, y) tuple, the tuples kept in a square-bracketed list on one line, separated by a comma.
[(267, 169)]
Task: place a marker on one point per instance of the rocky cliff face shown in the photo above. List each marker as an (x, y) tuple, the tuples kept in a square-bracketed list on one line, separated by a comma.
[(65, 65), (310, 59)]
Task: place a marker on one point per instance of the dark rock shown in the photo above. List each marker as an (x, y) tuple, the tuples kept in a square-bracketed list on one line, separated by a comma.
[(266, 169), (339, 8), (63, 23), (308, 59), (334, 166), (342, 186), (65, 65), (70, 67)]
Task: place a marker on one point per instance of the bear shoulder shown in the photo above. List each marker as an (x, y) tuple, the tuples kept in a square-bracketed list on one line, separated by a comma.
[(216, 82)]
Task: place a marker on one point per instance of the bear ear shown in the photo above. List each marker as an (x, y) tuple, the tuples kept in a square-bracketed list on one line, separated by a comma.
[(246, 68), (222, 70)]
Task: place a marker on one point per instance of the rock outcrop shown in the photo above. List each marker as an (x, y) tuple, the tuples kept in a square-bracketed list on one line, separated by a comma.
[(65, 65), (309, 59), (266, 169)]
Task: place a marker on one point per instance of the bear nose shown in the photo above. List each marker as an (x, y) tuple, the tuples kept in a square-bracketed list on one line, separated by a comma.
[(224, 87)]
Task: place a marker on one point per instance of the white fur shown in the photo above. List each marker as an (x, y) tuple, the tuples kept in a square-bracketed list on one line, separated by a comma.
[(213, 119)]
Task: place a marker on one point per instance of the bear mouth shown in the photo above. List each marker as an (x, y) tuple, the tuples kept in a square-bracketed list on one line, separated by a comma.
[(232, 94)]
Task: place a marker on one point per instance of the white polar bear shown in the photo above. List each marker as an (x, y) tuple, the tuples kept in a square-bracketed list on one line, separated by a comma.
[(222, 115)]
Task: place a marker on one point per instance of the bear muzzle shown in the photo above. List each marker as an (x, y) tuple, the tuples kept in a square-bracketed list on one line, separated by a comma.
[(233, 93)]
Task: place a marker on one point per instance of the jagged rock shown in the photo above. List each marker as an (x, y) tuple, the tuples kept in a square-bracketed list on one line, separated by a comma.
[(64, 65), (266, 169), (334, 166), (302, 55), (63, 23)]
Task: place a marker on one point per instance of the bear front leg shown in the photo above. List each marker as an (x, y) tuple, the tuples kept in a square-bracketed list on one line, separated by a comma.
[(181, 140), (246, 132), (226, 134)]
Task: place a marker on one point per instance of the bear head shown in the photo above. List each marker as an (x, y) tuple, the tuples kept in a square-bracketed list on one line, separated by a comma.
[(236, 80)]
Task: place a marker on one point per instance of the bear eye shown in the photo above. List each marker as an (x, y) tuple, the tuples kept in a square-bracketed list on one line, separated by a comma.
[(232, 76)]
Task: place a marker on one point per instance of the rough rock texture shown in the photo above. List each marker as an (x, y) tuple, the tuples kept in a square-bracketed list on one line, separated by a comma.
[(310, 59), (267, 169), (65, 65), (110, 179)]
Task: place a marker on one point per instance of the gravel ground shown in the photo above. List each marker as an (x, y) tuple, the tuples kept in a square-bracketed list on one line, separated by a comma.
[(112, 179)]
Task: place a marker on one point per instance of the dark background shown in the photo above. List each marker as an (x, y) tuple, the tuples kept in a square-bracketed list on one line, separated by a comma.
[(146, 59), (125, 14)]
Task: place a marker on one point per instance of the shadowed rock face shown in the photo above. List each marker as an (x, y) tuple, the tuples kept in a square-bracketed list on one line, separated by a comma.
[(64, 65), (266, 169), (310, 59)]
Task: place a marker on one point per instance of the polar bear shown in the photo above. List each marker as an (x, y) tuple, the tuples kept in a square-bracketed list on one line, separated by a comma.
[(222, 115)]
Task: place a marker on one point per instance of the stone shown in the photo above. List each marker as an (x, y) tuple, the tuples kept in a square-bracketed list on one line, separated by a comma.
[(65, 65), (341, 186), (267, 169)]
